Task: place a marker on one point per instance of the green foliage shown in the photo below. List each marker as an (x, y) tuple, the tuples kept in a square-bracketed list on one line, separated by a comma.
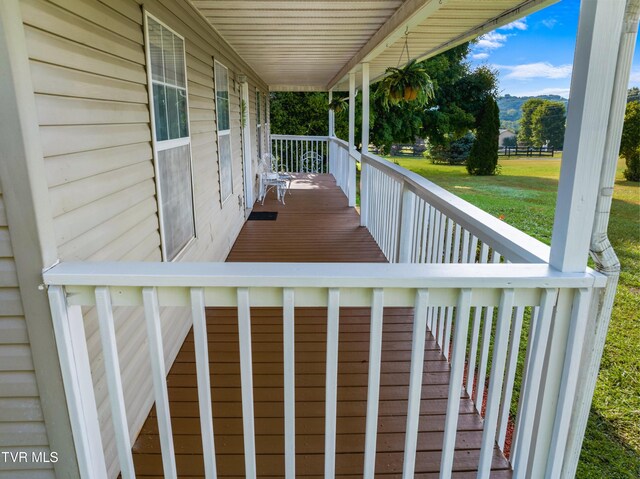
[(297, 113), (339, 104), (633, 94), (483, 158), (630, 142), (526, 121), (458, 95), (542, 123), (511, 107), (457, 152), (410, 83), (548, 124)]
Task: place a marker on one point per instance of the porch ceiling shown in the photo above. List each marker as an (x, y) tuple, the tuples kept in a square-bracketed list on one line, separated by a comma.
[(312, 45)]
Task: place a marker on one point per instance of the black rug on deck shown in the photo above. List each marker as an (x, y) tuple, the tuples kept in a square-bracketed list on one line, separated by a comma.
[(263, 216)]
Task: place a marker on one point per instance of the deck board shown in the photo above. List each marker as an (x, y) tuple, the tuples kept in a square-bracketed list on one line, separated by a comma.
[(314, 225)]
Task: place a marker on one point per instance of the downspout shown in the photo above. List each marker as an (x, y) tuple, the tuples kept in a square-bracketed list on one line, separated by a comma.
[(601, 250)]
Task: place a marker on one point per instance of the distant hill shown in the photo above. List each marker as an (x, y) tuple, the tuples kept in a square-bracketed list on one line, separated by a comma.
[(511, 108)]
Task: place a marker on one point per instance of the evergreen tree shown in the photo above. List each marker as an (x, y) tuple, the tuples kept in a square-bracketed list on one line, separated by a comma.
[(483, 159)]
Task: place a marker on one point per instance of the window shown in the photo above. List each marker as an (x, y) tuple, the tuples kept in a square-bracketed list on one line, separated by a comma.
[(221, 75), (258, 124), (172, 144)]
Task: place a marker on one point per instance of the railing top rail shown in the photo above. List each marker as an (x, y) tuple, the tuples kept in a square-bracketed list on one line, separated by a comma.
[(317, 275), (512, 243), (299, 137)]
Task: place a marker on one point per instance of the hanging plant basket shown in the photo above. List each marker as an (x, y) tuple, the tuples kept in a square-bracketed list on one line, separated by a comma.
[(408, 84), (338, 105)]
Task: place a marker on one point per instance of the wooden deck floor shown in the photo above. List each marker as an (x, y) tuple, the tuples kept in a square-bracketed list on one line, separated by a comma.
[(322, 236)]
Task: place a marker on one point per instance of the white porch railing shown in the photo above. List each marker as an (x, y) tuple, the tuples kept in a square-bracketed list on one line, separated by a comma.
[(300, 154), (485, 294)]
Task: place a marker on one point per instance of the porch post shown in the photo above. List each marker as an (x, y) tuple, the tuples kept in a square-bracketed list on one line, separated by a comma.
[(591, 87), (364, 193), (601, 250), (588, 115), (332, 120), (351, 177)]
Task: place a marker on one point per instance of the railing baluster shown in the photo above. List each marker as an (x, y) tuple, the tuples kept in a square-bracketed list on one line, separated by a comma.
[(447, 251), (465, 247), (463, 307), (512, 363), (159, 374), (415, 382), (71, 344), (289, 341), (333, 322), (475, 335), (529, 394), (373, 389), (495, 382), (568, 384), (432, 230), (246, 381), (114, 381), (201, 346), (456, 244), (473, 250)]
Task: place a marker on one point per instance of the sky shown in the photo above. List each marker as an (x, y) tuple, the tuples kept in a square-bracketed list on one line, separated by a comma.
[(534, 55)]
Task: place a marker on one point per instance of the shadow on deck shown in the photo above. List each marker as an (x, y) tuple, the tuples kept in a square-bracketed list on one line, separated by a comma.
[(315, 225)]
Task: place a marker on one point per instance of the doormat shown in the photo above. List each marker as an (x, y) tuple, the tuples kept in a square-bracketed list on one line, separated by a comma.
[(263, 216)]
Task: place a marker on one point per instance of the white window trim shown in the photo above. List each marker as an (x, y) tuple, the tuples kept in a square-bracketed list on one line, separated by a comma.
[(223, 132), (158, 146)]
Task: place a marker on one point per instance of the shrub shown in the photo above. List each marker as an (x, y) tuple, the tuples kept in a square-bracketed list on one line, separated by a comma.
[(630, 142), (483, 159)]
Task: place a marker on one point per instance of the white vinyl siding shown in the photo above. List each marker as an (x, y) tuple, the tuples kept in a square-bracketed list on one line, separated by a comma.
[(166, 56), (221, 74), (22, 425), (88, 67)]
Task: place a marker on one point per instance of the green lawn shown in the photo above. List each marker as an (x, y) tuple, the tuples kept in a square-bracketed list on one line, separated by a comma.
[(525, 193)]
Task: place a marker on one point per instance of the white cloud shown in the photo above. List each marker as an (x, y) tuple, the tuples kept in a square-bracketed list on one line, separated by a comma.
[(550, 22), (563, 92), (527, 71), (491, 41), (480, 56), (635, 76), (517, 25)]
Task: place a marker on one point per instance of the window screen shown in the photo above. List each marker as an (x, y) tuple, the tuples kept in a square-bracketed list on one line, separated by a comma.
[(224, 130), (172, 141)]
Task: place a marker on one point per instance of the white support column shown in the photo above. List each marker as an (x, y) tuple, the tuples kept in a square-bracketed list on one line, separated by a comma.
[(351, 176), (332, 117), (364, 192), (587, 118), (601, 250), (365, 107)]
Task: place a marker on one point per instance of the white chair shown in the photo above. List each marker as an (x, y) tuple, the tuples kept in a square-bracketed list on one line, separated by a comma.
[(311, 162), (270, 179)]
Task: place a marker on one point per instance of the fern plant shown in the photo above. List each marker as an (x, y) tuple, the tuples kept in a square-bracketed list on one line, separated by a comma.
[(408, 84)]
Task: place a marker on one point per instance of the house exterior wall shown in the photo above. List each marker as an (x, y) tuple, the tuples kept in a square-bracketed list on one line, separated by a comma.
[(22, 426), (87, 61)]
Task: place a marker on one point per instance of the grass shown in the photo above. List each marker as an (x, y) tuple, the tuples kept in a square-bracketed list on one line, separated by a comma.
[(524, 194)]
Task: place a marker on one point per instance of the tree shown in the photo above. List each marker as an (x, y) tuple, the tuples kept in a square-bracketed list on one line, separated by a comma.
[(548, 124), (633, 94), (458, 95), (526, 121), (483, 159), (297, 113), (630, 142)]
